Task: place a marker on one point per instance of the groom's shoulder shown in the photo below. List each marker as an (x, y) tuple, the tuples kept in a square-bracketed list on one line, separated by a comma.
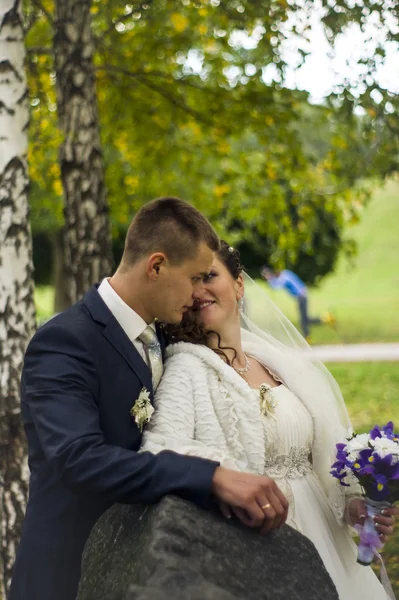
[(75, 317), (72, 325)]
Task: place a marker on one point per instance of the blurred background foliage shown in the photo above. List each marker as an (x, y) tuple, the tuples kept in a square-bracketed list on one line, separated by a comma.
[(188, 107), (193, 103)]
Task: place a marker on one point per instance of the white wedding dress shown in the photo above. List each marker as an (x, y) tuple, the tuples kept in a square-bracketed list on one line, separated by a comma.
[(204, 408), (291, 430)]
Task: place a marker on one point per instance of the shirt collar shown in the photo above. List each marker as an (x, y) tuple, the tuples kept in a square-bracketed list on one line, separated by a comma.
[(131, 322)]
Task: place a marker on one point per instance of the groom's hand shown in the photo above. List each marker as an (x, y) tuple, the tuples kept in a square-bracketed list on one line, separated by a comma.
[(255, 499)]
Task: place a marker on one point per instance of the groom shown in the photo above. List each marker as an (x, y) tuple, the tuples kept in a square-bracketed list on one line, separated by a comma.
[(88, 379)]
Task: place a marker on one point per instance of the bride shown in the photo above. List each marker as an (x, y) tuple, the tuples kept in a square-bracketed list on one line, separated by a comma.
[(256, 402)]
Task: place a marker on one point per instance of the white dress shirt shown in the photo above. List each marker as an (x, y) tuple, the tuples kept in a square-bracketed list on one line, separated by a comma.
[(132, 324)]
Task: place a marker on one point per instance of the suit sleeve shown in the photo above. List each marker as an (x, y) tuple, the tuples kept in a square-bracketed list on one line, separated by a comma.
[(59, 386), (173, 423)]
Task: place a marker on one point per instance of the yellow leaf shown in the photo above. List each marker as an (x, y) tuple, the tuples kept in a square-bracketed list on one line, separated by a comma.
[(159, 121), (223, 147), (195, 129), (221, 190), (54, 170), (57, 187), (132, 182), (179, 22)]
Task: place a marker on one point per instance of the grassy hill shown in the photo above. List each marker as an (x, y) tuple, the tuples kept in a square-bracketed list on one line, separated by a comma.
[(365, 298)]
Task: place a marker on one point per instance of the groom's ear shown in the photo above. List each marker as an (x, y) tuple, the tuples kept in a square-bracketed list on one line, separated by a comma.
[(154, 265)]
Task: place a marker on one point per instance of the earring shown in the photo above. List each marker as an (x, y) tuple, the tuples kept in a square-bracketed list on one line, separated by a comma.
[(240, 304)]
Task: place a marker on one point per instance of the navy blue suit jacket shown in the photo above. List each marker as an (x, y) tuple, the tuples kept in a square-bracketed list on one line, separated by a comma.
[(80, 378)]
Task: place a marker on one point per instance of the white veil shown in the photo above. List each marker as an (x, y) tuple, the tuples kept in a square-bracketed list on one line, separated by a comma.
[(271, 337)]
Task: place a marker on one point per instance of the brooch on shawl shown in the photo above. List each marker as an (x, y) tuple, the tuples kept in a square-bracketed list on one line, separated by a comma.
[(142, 409), (267, 401)]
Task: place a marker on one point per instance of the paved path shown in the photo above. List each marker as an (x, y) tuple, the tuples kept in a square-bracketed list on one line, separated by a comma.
[(358, 352)]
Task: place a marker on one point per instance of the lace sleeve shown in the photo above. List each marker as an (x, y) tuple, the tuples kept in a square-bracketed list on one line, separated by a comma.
[(172, 426)]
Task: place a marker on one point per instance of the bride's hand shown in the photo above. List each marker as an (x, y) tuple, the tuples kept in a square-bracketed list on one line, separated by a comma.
[(385, 521)]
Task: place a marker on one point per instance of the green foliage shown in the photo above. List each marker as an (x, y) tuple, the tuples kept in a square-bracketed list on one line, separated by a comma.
[(185, 110), (378, 104), (44, 136)]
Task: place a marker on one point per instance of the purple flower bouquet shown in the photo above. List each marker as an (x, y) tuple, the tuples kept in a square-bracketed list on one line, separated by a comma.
[(373, 459)]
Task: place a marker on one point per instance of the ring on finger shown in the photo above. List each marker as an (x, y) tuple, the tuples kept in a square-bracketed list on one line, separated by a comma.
[(268, 505)]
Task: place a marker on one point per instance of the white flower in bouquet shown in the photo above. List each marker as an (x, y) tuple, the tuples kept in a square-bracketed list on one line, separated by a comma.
[(385, 446), (356, 444), (373, 459)]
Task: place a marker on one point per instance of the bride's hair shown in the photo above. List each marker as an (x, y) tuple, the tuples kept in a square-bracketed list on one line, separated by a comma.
[(194, 333), (230, 257)]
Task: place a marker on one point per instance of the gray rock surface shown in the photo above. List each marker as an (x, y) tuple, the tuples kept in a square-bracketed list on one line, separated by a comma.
[(176, 551)]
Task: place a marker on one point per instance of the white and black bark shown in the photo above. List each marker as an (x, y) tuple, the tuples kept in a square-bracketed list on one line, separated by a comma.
[(87, 243), (17, 313)]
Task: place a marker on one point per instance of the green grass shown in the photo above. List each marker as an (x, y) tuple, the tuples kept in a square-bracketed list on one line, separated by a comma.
[(371, 391), (44, 301), (365, 300)]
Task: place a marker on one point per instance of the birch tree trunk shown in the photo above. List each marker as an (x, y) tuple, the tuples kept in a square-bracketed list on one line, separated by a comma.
[(17, 313), (88, 255)]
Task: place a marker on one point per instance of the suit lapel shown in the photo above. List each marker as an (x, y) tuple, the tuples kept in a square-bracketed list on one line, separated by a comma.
[(117, 337)]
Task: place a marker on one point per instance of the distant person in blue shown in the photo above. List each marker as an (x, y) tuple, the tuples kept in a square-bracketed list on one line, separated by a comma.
[(295, 287)]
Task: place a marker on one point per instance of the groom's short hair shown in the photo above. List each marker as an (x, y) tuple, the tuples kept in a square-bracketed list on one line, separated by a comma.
[(167, 225)]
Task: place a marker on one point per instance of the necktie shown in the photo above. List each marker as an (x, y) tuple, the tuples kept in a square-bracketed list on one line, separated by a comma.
[(154, 354)]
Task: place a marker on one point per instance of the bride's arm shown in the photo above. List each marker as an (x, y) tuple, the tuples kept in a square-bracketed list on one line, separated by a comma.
[(172, 425)]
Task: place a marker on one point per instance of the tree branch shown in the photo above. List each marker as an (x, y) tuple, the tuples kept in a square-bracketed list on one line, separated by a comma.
[(30, 22), (175, 101), (183, 81), (143, 78), (41, 51)]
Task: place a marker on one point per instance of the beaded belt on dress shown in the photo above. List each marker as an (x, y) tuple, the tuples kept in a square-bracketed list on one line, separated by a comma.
[(293, 465)]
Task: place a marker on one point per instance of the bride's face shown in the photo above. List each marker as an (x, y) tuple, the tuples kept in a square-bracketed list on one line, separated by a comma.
[(215, 304)]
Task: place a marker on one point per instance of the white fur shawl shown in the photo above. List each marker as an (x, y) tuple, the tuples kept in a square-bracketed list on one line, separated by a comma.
[(199, 410)]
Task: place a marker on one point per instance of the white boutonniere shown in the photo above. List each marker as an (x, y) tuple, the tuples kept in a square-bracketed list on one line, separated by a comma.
[(142, 409)]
